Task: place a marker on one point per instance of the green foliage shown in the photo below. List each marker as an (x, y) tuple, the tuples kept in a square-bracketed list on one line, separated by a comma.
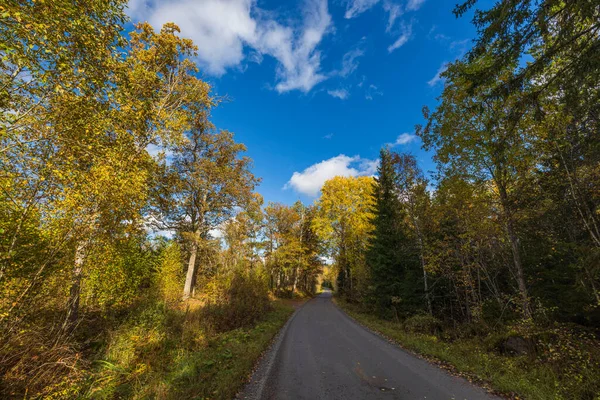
[(508, 239), (121, 269), (422, 323), (392, 256), (203, 187), (82, 277), (518, 151), (90, 301)]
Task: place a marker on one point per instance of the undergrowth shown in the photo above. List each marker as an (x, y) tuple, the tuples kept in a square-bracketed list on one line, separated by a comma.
[(167, 354)]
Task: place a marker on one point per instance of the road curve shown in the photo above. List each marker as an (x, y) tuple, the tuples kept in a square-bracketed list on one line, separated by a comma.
[(323, 354)]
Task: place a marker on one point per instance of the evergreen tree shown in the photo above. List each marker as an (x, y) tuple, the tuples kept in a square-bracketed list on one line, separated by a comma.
[(383, 256), (392, 255)]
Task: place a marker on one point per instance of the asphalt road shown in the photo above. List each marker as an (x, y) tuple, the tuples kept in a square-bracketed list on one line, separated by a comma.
[(323, 354)]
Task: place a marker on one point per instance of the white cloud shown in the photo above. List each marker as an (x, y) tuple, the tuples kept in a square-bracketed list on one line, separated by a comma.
[(154, 150), (440, 37), (153, 227), (403, 38), (218, 28), (341, 94), (216, 233), (169, 234), (157, 152), (372, 91), (414, 5), (369, 167), (460, 46), (311, 180), (394, 11), (357, 7), (222, 29), (404, 138), (349, 62), (437, 78), (328, 136), (362, 81), (299, 61)]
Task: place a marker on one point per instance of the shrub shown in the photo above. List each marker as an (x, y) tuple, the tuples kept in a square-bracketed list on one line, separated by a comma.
[(470, 330), (170, 274), (493, 313), (242, 298), (422, 323)]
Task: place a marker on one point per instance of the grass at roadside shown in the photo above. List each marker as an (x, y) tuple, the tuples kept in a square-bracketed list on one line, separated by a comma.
[(170, 354), (524, 376)]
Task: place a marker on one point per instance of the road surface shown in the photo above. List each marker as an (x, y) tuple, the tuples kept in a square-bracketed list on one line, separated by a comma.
[(323, 354)]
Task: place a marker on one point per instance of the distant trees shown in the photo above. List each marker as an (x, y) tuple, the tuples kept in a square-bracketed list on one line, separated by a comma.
[(291, 248), (395, 255), (505, 134), (385, 257), (508, 230), (411, 187), (343, 223)]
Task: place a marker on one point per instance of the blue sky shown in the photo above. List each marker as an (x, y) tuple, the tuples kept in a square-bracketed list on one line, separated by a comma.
[(314, 87)]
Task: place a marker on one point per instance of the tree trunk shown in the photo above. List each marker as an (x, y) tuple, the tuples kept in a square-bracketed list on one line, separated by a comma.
[(514, 243), (295, 280), (278, 280), (421, 254), (426, 286), (191, 272), (75, 291), (349, 276), (299, 257), (516, 252), (587, 215), (591, 280)]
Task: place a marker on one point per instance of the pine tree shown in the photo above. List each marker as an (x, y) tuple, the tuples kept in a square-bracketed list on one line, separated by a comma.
[(392, 256), (382, 256)]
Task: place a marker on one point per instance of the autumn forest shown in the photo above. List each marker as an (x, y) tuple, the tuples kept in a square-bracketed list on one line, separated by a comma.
[(126, 273)]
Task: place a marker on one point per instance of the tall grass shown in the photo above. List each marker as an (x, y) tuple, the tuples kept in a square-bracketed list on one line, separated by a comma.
[(168, 354), (154, 347)]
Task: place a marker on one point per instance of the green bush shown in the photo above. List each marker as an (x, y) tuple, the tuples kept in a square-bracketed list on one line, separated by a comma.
[(423, 323)]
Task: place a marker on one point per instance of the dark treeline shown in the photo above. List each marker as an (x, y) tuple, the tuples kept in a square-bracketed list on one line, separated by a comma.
[(512, 226)]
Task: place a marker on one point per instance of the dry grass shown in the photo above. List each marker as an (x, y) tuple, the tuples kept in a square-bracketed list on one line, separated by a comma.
[(153, 350)]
